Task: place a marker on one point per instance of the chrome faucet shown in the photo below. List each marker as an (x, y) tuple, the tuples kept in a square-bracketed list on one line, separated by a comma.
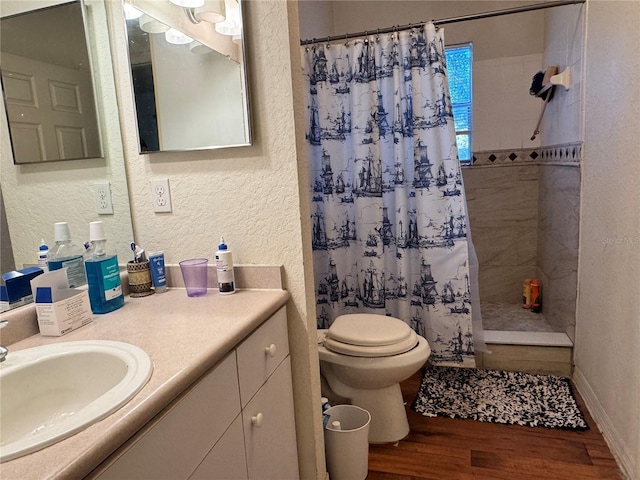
[(3, 350)]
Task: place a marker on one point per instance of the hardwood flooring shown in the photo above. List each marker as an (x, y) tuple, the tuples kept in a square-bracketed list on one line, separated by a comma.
[(443, 448)]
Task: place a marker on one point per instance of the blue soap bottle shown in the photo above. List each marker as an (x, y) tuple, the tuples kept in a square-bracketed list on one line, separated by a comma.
[(103, 273)]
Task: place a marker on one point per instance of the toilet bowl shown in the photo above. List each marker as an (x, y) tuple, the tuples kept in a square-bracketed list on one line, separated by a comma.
[(363, 359)]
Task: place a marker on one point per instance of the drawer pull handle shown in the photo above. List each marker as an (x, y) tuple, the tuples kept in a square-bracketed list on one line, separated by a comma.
[(257, 420), (271, 350)]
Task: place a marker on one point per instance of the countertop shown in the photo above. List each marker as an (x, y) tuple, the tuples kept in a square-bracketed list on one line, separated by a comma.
[(184, 338)]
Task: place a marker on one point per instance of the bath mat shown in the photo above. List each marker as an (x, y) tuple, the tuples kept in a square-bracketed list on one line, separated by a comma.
[(500, 397)]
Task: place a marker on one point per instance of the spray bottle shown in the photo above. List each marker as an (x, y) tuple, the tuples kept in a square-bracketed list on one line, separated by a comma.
[(224, 269)]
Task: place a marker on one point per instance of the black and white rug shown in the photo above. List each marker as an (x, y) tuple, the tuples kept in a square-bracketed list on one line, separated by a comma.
[(499, 397)]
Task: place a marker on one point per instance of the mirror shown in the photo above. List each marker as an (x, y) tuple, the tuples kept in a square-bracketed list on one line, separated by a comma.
[(48, 86), (36, 195), (189, 79)]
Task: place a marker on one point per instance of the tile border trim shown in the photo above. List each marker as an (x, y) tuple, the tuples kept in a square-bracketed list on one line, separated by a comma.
[(561, 154)]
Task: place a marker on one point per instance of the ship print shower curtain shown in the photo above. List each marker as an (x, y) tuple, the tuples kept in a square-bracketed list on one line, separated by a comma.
[(389, 222)]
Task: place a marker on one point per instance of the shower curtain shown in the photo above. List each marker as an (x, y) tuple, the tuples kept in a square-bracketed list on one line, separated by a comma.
[(389, 221)]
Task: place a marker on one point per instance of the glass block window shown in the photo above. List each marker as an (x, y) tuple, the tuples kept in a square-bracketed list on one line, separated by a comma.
[(459, 67)]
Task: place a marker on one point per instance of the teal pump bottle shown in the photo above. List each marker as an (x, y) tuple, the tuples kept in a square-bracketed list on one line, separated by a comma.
[(103, 273)]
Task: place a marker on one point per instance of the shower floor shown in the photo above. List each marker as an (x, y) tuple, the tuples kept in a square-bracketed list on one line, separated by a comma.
[(513, 318)]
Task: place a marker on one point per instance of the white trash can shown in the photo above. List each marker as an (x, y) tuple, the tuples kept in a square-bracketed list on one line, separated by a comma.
[(347, 445)]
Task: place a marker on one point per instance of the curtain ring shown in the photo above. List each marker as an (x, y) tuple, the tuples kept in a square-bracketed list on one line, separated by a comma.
[(366, 37), (377, 35), (327, 42)]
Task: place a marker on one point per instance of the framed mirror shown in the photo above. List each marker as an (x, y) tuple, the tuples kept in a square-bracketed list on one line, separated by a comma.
[(47, 84), (188, 74), (36, 195)]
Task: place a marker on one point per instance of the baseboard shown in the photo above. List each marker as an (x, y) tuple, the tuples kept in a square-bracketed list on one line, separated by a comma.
[(609, 432)]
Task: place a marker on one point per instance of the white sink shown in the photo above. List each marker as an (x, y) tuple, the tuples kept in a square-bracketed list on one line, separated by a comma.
[(51, 392)]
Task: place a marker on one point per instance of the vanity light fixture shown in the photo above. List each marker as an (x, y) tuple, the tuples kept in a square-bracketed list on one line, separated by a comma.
[(213, 11), (176, 37), (151, 25), (188, 3), (198, 48), (232, 25)]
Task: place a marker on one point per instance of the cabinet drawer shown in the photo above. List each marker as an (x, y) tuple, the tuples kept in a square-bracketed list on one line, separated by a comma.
[(173, 444), (261, 353)]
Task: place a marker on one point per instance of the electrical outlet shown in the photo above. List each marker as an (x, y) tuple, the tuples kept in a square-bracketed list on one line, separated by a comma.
[(102, 196), (161, 195)]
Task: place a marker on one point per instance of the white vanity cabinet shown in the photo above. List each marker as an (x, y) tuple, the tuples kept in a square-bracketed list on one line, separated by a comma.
[(236, 422)]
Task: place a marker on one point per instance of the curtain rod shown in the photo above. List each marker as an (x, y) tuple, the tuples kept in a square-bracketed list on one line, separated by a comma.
[(463, 18)]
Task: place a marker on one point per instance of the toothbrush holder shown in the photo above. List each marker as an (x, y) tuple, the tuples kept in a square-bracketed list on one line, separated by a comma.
[(139, 274)]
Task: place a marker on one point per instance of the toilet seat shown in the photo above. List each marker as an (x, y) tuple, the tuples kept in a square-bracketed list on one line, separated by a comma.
[(366, 335)]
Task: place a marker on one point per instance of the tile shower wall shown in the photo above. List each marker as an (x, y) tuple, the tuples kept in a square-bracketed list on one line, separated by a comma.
[(558, 224), (503, 216), (524, 218)]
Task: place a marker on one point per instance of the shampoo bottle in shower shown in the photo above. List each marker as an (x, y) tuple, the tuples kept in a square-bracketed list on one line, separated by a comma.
[(224, 269), (103, 273), (526, 293), (536, 296), (66, 254)]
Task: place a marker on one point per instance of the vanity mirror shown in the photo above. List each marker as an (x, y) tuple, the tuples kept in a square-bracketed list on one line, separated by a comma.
[(47, 84), (188, 74), (36, 195)]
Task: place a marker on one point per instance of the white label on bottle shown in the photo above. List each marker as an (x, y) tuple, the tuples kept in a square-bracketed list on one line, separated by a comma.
[(225, 275)]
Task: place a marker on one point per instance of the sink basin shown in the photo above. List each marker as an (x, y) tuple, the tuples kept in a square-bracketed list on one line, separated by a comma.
[(51, 392)]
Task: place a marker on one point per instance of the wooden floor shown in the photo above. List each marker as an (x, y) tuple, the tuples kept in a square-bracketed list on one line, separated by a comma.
[(444, 448)]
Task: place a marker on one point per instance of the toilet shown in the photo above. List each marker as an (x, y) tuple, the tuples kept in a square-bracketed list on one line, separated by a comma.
[(363, 359)]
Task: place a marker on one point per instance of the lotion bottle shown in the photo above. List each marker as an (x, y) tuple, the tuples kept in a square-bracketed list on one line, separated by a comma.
[(224, 269), (103, 273)]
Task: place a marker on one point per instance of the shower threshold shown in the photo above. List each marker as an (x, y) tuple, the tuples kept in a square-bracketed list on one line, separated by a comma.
[(520, 340)]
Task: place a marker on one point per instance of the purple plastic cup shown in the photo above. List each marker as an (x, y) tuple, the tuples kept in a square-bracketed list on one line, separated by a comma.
[(194, 274)]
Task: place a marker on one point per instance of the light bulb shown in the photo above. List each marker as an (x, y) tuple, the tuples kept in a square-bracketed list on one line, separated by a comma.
[(188, 3), (176, 37), (199, 49), (233, 23), (151, 25), (131, 12)]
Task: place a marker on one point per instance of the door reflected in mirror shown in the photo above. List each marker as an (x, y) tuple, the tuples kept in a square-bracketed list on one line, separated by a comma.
[(189, 80), (48, 86)]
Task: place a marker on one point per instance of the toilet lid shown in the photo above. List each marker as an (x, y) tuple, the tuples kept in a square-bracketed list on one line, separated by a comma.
[(366, 335)]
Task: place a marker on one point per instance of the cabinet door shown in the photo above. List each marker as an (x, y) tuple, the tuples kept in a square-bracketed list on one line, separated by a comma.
[(173, 444), (269, 429), (226, 460), (261, 353)]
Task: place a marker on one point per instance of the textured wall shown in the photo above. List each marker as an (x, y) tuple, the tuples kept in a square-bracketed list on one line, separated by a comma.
[(608, 330), (250, 195)]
